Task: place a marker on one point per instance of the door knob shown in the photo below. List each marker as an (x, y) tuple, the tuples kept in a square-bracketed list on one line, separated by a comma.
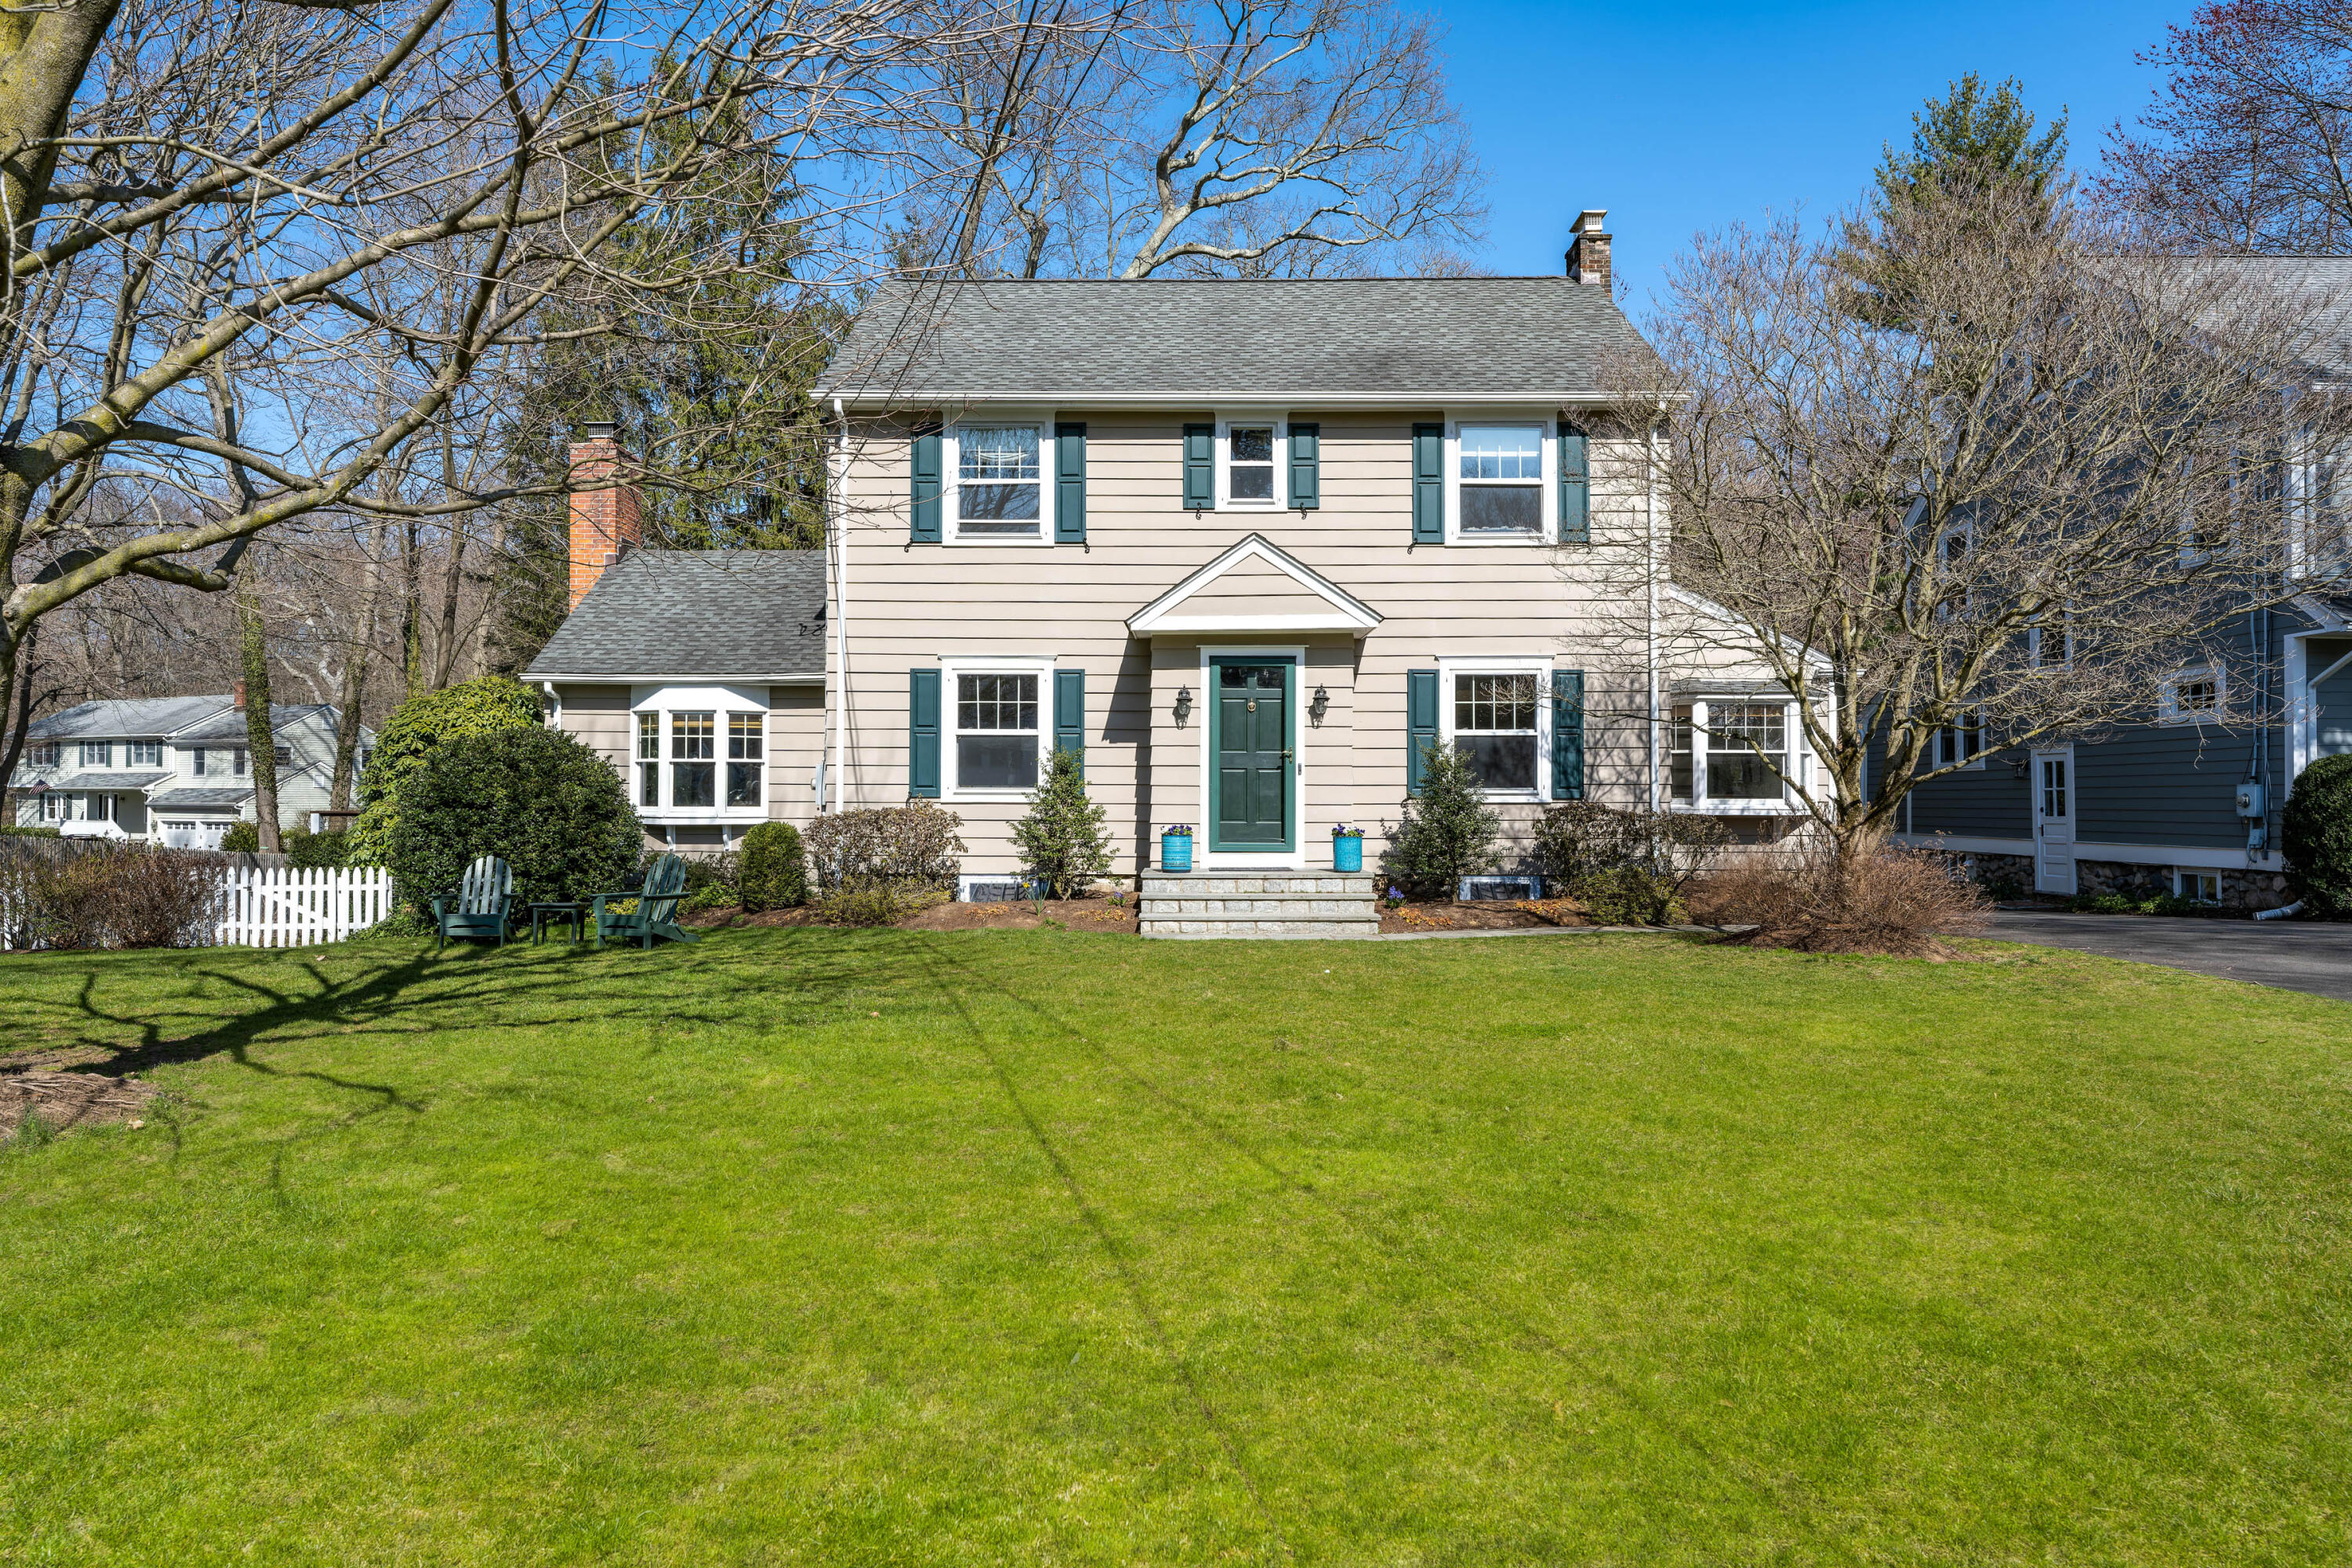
[(1285, 753)]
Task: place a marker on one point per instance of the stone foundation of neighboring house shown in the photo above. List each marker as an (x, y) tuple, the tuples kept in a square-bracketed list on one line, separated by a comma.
[(2241, 888), (2013, 874)]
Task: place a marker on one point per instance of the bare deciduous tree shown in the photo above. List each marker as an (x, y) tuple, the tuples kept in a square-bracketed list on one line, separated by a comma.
[(2002, 501)]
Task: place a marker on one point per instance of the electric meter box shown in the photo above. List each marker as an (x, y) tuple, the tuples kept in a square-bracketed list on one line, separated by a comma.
[(2250, 800)]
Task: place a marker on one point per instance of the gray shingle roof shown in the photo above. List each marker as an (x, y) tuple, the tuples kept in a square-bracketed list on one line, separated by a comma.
[(1407, 339), (229, 724), (141, 718), (197, 799), (100, 781), (2320, 286), (703, 613)]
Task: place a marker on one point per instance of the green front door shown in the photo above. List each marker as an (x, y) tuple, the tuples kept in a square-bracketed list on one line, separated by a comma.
[(1249, 754)]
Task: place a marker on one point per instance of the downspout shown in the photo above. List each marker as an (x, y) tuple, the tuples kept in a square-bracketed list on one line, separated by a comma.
[(1650, 629), (838, 540)]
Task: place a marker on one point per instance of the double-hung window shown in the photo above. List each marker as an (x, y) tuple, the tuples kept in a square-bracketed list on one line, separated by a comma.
[(1961, 744), (1249, 465), (44, 754), (1495, 728), (98, 753), (746, 748), (53, 807), (649, 759), (1723, 753), (1500, 481), (996, 731), (1000, 483), (144, 754), (693, 760)]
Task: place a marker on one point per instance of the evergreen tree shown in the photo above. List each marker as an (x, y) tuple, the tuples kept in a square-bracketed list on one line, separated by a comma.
[(1062, 839), (1449, 832)]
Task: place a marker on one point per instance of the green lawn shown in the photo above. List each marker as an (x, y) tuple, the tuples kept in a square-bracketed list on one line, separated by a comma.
[(805, 1246)]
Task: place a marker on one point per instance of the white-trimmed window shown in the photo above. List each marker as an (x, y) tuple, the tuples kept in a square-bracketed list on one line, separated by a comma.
[(1496, 714), (2197, 886), (1723, 751), (1499, 481), (144, 754), (44, 754), (1000, 492), (1958, 745), (1252, 450), (1497, 728), (699, 754), (98, 753), (996, 730), (2191, 696), (55, 806), (216, 762)]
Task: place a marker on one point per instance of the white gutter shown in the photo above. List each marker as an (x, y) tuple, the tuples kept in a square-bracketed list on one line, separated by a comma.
[(674, 678), (837, 538), (927, 397)]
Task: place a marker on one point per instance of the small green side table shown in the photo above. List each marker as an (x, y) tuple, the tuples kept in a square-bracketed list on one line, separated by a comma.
[(566, 914)]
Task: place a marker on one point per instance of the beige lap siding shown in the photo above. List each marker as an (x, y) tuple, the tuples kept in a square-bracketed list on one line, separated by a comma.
[(910, 604), (796, 740)]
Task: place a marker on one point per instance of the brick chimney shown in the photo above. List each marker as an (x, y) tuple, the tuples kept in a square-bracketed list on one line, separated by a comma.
[(606, 522), (239, 703), (1588, 250)]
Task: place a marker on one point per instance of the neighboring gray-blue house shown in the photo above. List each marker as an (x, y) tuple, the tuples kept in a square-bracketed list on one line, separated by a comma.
[(2186, 803)]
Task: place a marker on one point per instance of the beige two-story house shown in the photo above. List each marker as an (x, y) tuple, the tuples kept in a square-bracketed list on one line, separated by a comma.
[(1252, 546)]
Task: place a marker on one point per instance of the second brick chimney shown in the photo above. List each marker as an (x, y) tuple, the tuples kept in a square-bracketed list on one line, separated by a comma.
[(1588, 250), (607, 521)]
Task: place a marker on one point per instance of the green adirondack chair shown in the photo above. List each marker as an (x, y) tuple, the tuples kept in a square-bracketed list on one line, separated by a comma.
[(655, 913), (479, 906)]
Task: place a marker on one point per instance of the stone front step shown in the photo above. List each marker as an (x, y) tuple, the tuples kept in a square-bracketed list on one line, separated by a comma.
[(1259, 904)]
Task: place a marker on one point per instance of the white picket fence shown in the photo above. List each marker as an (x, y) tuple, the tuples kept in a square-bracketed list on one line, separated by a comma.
[(290, 906)]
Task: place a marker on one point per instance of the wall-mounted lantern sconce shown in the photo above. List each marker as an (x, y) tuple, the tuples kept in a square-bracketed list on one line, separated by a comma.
[(2017, 767), (1183, 705), (1320, 706)]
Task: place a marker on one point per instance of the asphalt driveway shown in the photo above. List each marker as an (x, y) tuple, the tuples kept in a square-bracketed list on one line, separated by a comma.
[(2296, 955)]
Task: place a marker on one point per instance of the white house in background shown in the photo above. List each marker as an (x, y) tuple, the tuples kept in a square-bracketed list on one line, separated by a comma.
[(175, 770)]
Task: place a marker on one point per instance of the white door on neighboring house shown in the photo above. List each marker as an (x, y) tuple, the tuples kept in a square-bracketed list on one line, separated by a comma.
[(2053, 821)]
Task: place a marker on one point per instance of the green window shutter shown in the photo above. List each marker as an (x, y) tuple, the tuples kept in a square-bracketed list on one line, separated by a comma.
[(923, 733), (1428, 495), (1575, 488), (1200, 468), (1070, 710), (1568, 734), (1306, 465), (1069, 484), (1420, 723), (925, 491)]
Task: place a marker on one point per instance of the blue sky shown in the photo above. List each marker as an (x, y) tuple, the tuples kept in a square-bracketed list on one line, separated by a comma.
[(1679, 117)]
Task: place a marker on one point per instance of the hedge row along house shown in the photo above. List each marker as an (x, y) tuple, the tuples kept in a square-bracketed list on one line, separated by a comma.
[(1250, 545)]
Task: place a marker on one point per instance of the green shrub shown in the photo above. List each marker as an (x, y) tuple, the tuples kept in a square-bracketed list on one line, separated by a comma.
[(2154, 904), (537, 798), (309, 849), (912, 847), (30, 830), (711, 895), (408, 740), (1062, 841), (1626, 868), (874, 904), (1629, 896), (2317, 837), (774, 869), (242, 838), (1447, 834)]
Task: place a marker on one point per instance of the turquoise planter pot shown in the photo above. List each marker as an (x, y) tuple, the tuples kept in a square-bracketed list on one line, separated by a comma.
[(1346, 854), (1175, 851)]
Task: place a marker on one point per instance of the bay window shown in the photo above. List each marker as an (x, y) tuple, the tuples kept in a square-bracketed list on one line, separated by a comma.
[(1730, 753), (693, 750), (680, 771), (649, 759), (996, 731), (747, 748)]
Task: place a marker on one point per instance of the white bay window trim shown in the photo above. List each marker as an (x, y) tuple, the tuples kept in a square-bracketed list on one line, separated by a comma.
[(664, 706), (952, 477), (1689, 717), (953, 667)]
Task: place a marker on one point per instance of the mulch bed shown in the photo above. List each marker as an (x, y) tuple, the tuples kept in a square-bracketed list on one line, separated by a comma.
[(1069, 914), (68, 1099), (1501, 914)]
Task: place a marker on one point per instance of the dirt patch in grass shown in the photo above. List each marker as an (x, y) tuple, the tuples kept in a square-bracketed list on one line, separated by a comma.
[(64, 1101), (1501, 914)]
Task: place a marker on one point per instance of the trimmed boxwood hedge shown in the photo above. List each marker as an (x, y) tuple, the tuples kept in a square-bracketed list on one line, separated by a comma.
[(773, 872), (549, 806), (2317, 836)]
